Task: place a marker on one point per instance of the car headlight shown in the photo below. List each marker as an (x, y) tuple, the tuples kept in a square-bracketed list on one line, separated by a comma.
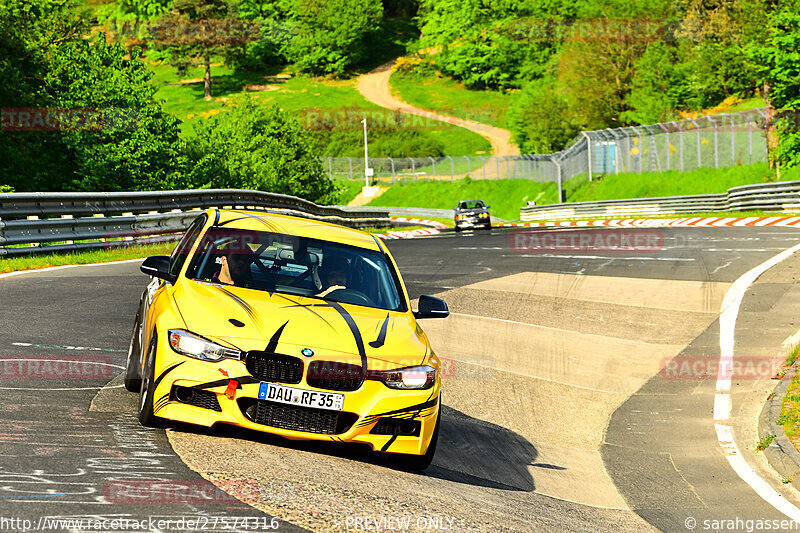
[(191, 345), (414, 377)]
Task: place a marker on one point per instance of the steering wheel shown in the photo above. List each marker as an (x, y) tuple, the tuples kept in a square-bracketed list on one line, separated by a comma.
[(359, 296)]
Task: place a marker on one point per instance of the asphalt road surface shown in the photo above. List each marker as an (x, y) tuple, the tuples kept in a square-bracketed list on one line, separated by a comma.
[(558, 415)]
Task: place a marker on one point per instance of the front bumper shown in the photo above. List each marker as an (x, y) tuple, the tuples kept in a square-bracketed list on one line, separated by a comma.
[(373, 404), (473, 222)]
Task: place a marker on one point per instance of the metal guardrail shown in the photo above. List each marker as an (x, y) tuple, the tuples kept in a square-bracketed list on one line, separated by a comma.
[(29, 221), (780, 196)]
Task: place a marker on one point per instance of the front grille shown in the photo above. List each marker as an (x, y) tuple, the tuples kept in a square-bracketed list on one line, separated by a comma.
[(297, 418), (274, 367), (330, 375), (197, 397)]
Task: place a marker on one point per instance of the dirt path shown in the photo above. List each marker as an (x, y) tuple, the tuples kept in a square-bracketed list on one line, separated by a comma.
[(374, 86)]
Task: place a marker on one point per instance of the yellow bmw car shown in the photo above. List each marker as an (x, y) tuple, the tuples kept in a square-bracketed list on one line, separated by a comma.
[(289, 326)]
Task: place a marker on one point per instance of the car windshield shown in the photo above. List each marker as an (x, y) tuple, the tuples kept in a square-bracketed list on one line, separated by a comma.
[(471, 204), (288, 264)]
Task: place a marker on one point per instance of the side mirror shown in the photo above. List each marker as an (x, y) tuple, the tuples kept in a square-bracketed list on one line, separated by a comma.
[(430, 307), (158, 266)]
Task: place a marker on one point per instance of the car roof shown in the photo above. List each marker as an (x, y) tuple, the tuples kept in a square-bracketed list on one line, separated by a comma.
[(290, 225)]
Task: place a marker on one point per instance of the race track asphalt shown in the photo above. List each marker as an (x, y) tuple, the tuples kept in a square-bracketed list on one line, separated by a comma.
[(518, 427)]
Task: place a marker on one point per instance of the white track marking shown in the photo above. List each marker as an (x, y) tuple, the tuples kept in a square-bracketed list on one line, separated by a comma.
[(722, 402), (602, 257)]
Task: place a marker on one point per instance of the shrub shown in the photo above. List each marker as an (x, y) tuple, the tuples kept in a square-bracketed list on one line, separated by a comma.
[(251, 147)]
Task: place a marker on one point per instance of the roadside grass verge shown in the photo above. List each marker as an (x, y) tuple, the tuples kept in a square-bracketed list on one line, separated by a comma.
[(790, 413), (790, 406), (713, 214), (504, 196), (671, 183), (32, 262), (448, 97), (348, 189)]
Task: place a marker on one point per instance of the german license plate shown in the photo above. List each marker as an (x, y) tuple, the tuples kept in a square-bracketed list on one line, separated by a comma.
[(306, 398)]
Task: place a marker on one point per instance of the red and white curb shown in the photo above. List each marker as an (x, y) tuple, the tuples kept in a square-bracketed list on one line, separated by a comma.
[(665, 222), (408, 234), (420, 222), (432, 228)]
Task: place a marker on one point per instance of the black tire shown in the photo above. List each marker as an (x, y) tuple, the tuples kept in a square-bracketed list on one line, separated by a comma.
[(147, 388), (457, 228), (488, 225), (133, 381), (418, 463)]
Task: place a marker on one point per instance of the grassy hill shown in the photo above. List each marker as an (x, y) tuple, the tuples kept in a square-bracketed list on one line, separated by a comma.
[(295, 94)]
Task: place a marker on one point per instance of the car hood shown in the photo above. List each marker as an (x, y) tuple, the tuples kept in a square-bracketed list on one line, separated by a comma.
[(253, 320), (472, 211)]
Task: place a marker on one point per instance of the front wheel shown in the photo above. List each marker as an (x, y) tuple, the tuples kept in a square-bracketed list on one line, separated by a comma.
[(147, 388), (133, 381)]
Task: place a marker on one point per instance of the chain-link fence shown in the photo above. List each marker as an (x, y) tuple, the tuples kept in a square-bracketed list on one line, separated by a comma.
[(711, 141)]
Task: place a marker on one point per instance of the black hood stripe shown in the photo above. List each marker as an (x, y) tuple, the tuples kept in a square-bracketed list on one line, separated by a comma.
[(273, 342), (356, 335), (377, 343)]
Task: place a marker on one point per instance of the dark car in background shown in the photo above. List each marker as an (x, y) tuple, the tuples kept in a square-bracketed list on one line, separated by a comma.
[(472, 214)]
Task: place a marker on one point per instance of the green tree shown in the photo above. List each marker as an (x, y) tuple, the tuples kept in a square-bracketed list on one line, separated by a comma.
[(46, 63), (539, 119), (659, 85), (328, 35), (196, 31), (251, 147), (777, 62), (492, 43), (265, 46)]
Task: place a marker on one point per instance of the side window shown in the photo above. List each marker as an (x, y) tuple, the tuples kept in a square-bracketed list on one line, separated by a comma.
[(181, 251)]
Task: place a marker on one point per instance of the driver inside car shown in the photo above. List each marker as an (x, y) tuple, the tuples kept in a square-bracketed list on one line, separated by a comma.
[(235, 264), (334, 276)]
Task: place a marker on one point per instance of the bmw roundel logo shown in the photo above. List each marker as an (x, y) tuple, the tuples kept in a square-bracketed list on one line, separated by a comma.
[(308, 352)]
